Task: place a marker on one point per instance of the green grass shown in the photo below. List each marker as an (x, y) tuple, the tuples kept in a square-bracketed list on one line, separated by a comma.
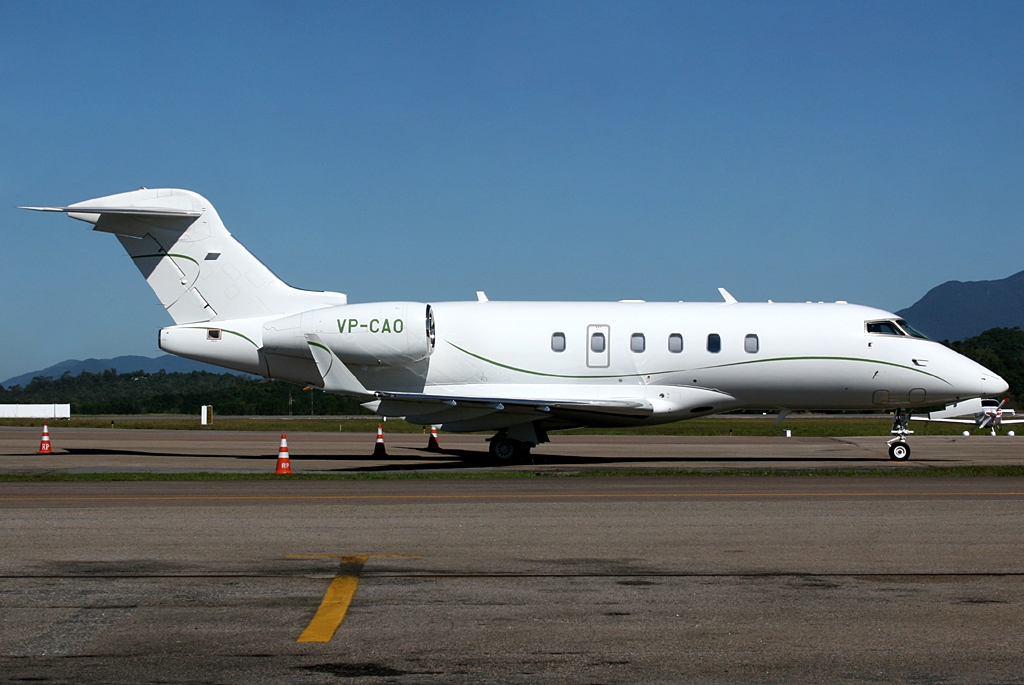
[(802, 427), (900, 471), (276, 425)]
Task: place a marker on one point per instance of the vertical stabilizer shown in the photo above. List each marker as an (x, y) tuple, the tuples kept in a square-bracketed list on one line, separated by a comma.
[(198, 271)]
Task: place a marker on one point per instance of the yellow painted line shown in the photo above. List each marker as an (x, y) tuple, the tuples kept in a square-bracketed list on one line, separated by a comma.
[(590, 495), (332, 610), (351, 556), (339, 593)]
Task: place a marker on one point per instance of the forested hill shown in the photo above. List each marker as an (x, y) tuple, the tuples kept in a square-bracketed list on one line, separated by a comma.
[(1001, 350), (110, 392)]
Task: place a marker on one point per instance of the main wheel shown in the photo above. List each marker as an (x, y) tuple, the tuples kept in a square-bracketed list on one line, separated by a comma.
[(899, 451), (503, 450)]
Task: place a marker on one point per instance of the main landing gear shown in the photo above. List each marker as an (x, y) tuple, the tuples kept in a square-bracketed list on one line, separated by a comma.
[(899, 450), (507, 451)]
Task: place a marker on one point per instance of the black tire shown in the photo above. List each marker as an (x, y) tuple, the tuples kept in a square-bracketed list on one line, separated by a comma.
[(504, 451), (899, 451)]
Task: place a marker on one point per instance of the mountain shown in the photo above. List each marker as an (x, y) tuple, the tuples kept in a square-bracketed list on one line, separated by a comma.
[(126, 364), (957, 310)]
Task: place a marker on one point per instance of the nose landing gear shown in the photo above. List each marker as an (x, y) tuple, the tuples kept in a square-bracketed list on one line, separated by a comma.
[(899, 450)]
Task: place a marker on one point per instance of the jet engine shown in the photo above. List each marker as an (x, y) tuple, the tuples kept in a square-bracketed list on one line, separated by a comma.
[(379, 333)]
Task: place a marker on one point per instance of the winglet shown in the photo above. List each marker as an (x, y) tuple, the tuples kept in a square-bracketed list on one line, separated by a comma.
[(337, 377), (729, 299), (481, 296)]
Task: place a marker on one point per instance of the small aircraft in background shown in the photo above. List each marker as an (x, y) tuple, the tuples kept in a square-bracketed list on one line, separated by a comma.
[(983, 413)]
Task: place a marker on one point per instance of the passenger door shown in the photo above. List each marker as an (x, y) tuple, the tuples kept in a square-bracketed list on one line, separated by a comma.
[(598, 346)]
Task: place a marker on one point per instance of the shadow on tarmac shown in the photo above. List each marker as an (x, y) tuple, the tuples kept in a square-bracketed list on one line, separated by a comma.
[(473, 459), (453, 459)]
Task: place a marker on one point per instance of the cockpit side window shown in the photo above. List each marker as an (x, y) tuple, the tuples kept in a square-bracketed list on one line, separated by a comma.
[(884, 328), (911, 331)]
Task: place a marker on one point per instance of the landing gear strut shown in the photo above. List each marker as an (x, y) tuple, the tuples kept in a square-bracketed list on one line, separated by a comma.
[(899, 450)]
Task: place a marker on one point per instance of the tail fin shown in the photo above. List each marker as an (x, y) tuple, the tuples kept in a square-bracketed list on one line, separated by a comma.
[(197, 269)]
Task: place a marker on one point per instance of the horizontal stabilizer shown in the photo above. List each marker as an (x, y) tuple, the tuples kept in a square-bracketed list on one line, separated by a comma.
[(136, 211)]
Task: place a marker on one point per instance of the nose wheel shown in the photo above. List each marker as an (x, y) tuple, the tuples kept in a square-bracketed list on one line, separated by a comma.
[(899, 450)]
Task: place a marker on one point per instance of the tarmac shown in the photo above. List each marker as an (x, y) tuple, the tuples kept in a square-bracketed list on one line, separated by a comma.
[(83, 450), (559, 579)]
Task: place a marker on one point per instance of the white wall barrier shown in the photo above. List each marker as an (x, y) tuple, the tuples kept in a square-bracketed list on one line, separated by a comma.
[(35, 411)]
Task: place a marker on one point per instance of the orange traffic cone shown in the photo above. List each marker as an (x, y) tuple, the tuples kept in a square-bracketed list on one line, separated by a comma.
[(284, 465), (378, 449), (44, 444), (433, 445)]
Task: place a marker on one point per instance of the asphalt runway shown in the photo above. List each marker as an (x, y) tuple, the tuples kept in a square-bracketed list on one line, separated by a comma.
[(552, 580), (98, 450)]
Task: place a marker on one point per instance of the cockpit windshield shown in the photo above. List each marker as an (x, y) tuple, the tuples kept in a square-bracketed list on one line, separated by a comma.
[(897, 327), (911, 330), (884, 328)]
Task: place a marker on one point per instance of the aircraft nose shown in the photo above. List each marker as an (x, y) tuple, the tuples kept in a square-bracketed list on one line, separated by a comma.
[(993, 384)]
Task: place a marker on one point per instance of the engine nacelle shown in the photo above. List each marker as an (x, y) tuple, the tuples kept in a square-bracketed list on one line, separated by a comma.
[(378, 333)]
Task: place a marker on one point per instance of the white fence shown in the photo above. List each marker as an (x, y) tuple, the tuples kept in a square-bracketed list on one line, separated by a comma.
[(35, 411)]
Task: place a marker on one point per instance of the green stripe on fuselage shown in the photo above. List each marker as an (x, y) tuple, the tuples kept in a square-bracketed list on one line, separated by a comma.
[(699, 368)]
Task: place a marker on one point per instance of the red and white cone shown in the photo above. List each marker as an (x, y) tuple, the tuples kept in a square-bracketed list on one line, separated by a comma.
[(44, 444), (433, 445), (378, 449), (284, 464)]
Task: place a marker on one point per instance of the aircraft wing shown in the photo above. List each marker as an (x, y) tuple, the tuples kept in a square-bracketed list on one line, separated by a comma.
[(417, 404), (925, 418)]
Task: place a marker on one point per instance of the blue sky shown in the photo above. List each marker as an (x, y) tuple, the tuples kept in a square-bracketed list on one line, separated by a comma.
[(597, 151)]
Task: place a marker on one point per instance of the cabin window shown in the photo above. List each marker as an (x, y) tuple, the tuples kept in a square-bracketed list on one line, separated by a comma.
[(637, 342), (714, 343), (751, 344), (213, 334), (558, 342), (597, 342), (883, 328), (675, 343)]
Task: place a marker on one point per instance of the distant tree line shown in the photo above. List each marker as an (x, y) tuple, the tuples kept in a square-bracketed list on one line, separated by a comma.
[(1001, 350), (111, 392)]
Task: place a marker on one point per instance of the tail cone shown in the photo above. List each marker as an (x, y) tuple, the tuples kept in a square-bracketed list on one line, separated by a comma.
[(284, 464), (44, 444), (433, 445), (378, 449)]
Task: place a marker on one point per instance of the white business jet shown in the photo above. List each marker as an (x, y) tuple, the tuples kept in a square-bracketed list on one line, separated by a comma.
[(523, 368)]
